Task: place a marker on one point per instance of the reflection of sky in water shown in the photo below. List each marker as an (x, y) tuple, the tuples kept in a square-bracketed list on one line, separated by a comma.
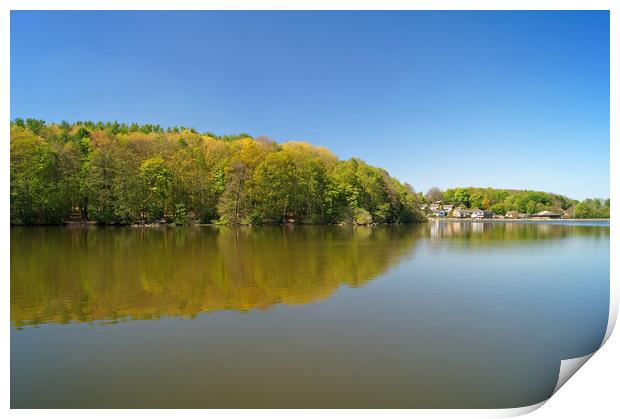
[(472, 315), (503, 315)]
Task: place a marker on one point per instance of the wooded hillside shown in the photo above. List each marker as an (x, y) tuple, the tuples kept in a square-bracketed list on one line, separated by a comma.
[(119, 174)]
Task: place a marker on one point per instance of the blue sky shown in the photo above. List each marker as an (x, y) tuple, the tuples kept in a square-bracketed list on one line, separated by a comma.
[(501, 99)]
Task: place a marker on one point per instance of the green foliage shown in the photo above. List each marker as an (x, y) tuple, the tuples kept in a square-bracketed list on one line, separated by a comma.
[(35, 125), (501, 201), (531, 207), (275, 189), (180, 215), (499, 209), (101, 185), (157, 182), (38, 194), (362, 217), (462, 197), (592, 208), (117, 173)]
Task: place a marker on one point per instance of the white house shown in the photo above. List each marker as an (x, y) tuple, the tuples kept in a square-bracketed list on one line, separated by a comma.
[(447, 208), (439, 213), (481, 214)]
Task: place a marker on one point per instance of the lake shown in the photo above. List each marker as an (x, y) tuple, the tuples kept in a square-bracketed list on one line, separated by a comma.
[(439, 315)]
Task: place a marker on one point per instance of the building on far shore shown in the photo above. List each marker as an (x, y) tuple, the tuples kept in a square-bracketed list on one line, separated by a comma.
[(439, 213), (434, 206), (481, 214), (461, 213), (546, 215), (447, 208)]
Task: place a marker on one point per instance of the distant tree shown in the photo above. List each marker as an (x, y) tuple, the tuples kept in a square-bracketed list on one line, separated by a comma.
[(486, 203), (499, 209), (592, 208), (276, 188), (37, 185), (434, 194), (35, 125), (531, 207), (362, 217), (265, 140), (232, 204), (157, 181), (462, 197), (101, 187)]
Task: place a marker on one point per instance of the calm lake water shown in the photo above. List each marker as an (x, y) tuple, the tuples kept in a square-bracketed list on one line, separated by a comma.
[(440, 315)]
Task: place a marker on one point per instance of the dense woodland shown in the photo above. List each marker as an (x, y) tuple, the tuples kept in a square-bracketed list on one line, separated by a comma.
[(115, 173), (501, 201)]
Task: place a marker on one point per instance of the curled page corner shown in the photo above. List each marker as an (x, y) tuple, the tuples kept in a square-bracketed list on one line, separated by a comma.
[(613, 312), (518, 411), (568, 367)]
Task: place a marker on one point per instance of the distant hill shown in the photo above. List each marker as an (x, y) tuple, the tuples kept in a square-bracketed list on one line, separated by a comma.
[(501, 201)]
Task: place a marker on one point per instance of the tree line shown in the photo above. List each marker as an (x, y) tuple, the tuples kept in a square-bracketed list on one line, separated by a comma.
[(501, 201), (115, 173)]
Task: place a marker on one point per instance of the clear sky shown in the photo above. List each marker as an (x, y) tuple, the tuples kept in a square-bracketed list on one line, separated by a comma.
[(500, 99)]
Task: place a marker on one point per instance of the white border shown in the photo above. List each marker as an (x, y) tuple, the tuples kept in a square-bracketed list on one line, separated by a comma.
[(611, 351)]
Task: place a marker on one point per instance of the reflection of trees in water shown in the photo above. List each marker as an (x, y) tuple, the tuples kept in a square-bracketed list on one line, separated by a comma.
[(62, 275), (501, 234)]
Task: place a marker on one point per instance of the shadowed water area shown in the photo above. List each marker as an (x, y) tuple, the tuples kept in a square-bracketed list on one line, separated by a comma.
[(439, 315)]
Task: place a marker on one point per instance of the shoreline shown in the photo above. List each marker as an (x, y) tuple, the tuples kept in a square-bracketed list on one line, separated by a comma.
[(518, 220), (430, 219)]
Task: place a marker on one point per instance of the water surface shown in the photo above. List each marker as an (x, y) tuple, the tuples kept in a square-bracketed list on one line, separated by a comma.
[(446, 314)]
